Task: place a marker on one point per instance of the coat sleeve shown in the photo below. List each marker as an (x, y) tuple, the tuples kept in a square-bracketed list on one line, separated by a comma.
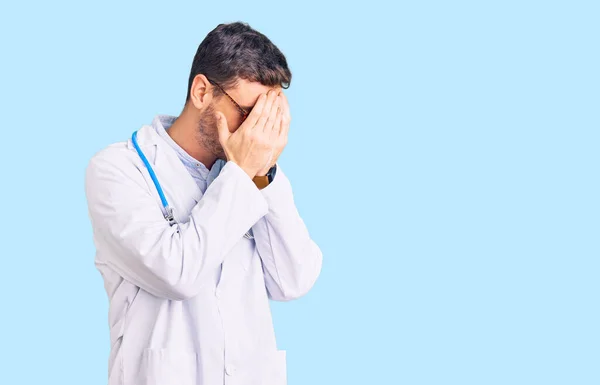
[(291, 259), (134, 239)]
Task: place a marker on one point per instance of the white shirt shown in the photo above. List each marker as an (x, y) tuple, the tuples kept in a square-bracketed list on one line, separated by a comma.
[(189, 303)]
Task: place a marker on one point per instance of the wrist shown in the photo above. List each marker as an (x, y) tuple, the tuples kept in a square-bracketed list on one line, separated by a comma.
[(250, 172), (269, 171), (263, 172)]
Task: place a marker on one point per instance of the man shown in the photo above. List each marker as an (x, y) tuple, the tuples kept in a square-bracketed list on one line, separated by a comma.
[(189, 273)]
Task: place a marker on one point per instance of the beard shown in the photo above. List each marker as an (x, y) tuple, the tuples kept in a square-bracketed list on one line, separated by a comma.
[(207, 133)]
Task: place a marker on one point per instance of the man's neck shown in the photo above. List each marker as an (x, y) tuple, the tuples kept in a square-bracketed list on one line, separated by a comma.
[(183, 132)]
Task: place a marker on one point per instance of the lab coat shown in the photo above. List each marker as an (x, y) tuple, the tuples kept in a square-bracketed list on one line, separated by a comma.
[(189, 303)]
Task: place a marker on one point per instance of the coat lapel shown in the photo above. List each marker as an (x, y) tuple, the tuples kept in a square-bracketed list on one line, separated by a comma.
[(179, 187)]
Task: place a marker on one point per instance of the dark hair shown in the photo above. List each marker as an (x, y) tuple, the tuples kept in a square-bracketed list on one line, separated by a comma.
[(236, 51)]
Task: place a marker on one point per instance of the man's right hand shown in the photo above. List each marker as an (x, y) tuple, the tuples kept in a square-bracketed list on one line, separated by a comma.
[(251, 146)]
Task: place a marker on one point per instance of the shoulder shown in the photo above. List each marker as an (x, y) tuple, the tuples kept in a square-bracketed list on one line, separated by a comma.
[(117, 155), (116, 163)]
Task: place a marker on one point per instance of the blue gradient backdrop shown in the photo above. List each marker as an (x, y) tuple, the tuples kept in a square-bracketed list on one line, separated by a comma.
[(444, 155)]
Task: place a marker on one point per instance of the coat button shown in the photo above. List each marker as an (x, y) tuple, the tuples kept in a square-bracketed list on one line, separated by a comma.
[(229, 369)]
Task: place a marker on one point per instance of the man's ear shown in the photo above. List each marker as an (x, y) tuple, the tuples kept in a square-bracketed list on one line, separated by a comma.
[(201, 92)]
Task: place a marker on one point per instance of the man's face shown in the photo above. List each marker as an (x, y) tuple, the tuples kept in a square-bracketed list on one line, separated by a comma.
[(245, 94)]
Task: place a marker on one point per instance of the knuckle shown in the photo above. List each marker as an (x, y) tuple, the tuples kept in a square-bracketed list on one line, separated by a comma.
[(264, 141), (256, 138)]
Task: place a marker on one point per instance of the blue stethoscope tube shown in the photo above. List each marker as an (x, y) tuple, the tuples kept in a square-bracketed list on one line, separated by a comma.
[(168, 211)]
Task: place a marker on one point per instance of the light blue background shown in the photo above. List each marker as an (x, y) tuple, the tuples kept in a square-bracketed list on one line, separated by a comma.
[(444, 155)]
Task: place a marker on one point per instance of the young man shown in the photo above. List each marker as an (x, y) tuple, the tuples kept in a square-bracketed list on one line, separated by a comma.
[(195, 226)]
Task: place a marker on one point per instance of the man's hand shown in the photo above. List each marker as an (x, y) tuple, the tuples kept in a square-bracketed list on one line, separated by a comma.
[(282, 138), (252, 146)]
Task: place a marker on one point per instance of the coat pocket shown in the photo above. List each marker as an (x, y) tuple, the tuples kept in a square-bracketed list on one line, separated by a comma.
[(168, 366)]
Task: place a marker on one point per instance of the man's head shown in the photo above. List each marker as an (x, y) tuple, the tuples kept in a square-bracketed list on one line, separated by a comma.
[(232, 67)]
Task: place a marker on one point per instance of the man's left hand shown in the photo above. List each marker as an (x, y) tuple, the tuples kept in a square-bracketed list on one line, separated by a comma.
[(283, 120)]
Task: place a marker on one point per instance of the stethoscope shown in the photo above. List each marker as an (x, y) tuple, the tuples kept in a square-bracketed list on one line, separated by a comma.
[(167, 210)]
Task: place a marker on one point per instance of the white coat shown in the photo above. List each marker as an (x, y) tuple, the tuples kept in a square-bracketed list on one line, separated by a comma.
[(188, 304)]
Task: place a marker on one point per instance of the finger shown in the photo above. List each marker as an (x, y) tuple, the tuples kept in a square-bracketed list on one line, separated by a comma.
[(283, 133), (222, 128), (286, 105), (256, 112), (266, 112), (279, 122), (275, 108), (273, 133), (285, 124)]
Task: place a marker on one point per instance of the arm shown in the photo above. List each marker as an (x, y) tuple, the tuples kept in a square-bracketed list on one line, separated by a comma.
[(145, 250), (291, 259)]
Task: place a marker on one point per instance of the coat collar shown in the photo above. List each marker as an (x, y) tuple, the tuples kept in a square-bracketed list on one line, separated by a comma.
[(149, 142), (174, 178)]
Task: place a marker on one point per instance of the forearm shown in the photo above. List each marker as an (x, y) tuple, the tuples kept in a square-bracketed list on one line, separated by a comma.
[(291, 259), (173, 261)]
